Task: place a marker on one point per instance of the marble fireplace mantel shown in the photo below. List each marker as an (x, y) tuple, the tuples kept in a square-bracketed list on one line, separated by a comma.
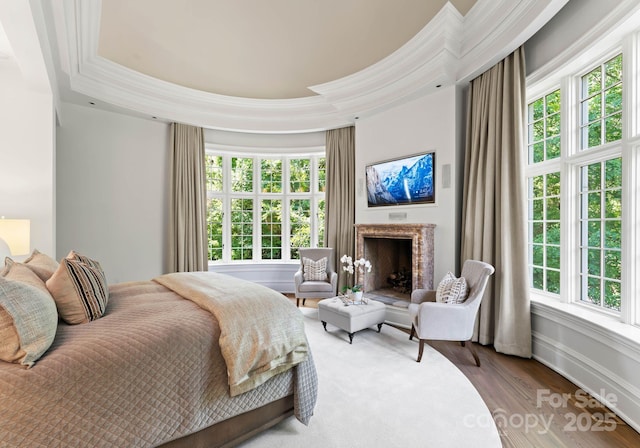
[(410, 244), (421, 237)]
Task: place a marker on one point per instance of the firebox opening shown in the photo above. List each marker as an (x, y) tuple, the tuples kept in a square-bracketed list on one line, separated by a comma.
[(390, 278)]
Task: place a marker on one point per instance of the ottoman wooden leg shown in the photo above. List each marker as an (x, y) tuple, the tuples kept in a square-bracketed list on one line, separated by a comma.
[(380, 326), (324, 324), (351, 338)]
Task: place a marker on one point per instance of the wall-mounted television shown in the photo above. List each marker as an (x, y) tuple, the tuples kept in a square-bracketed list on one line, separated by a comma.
[(403, 181)]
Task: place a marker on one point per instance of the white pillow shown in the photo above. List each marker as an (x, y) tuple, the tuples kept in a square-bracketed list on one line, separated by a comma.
[(28, 322), (452, 289), (314, 270)]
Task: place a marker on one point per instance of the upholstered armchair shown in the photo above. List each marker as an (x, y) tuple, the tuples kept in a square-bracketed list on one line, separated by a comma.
[(450, 321), (311, 280)]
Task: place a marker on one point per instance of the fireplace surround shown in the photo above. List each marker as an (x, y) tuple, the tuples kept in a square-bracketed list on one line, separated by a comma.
[(390, 248), (394, 247)]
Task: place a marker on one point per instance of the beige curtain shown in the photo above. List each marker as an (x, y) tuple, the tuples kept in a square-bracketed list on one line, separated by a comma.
[(188, 201), (340, 195), (493, 211)]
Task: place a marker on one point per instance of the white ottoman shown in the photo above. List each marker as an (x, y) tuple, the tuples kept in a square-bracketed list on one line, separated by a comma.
[(351, 318)]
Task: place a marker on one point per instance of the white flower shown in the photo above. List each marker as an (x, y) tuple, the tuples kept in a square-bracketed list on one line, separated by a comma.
[(350, 266), (363, 265)]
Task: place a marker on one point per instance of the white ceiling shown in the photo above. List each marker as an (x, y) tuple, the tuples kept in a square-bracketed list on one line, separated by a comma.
[(259, 49), (280, 66)]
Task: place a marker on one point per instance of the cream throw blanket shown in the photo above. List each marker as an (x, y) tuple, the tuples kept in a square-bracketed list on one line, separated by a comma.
[(261, 331)]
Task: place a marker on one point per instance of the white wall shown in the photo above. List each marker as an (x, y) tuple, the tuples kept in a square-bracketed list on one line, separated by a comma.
[(27, 156), (425, 124), (564, 29), (112, 187)]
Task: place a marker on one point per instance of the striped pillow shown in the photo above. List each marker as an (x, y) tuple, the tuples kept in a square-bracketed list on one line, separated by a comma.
[(315, 270), (80, 291), (452, 289), (73, 255)]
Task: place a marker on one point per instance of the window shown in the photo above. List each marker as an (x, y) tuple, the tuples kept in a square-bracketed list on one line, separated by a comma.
[(264, 207), (575, 193), (544, 128), (271, 221), (601, 231), (544, 232), (601, 104)]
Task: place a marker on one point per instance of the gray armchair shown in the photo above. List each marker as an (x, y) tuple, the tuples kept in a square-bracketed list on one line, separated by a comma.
[(447, 321), (316, 289)]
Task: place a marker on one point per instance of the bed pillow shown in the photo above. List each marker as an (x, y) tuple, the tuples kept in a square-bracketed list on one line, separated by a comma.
[(21, 273), (28, 322), (73, 255), (79, 290), (43, 265), (451, 289), (314, 270)]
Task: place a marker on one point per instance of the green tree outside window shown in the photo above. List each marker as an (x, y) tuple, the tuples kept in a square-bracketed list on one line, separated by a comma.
[(601, 233), (271, 175), (300, 225), (300, 175), (214, 228), (543, 117), (271, 225), (544, 232), (213, 169), (601, 104), (242, 174), (241, 229)]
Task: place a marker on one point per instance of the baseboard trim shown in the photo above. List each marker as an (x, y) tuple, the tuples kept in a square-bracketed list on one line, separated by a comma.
[(585, 363)]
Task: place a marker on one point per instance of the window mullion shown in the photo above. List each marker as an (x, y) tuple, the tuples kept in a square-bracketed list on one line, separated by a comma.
[(285, 226), (226, 207), (631, 86), (313, 178), (569, 181)]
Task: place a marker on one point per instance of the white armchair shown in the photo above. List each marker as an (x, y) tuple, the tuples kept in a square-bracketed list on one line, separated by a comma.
[(447, 321), (316, 289)]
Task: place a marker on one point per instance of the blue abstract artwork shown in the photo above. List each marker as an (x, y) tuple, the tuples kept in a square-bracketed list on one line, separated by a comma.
[(409, 180)]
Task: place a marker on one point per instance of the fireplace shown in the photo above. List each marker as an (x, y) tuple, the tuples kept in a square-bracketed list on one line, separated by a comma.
[(395, 249)]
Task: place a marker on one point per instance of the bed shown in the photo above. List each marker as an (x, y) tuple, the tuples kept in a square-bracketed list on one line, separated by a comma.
[(153, 370)]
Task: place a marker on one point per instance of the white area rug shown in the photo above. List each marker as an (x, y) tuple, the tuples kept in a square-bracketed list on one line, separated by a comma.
[(374, 394)]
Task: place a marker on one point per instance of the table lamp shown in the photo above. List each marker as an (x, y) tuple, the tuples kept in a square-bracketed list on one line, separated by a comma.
[(14, 237)]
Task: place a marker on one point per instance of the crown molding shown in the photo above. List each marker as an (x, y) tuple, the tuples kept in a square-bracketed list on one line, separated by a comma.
[(495, 28), (445, 52)]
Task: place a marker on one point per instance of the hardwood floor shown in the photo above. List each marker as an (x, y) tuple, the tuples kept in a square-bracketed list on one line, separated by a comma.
[(532, 405)]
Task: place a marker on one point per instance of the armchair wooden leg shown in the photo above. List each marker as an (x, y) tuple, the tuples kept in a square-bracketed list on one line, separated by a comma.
[(298, 302), (303, 301), (413, 332), (473, 352), (420, 350)]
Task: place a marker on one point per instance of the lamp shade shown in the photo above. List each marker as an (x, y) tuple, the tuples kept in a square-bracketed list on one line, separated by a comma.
[(16, 233)]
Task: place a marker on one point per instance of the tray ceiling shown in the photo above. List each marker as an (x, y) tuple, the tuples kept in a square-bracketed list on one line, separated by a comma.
[(276, 66), (259, 49)]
